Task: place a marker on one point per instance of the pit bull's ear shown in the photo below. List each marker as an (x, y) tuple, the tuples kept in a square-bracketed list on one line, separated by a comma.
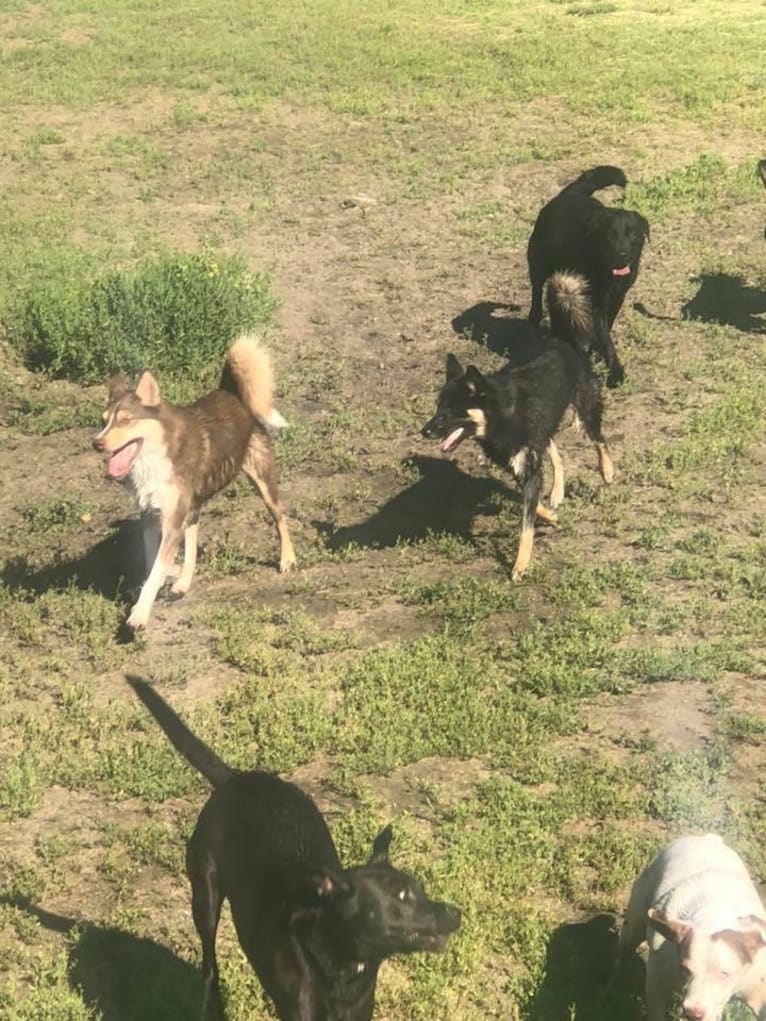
[(119, 385), (380, 847), (674, 930), (745, 942), (148, 390), (762, 171), (477, 384), (454, 368), (644, 225)]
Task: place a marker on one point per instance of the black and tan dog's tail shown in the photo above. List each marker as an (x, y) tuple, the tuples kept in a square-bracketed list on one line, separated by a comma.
[(570, 309), (195, 752), (597, 178)]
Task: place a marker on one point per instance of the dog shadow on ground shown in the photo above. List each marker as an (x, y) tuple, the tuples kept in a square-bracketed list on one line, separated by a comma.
[(580, 979), (728, 300), (443, 499), (515, 339), (112, 568), (121, 976)]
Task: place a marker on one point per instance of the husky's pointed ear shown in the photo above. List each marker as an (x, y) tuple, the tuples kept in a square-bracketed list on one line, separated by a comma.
[(454, 368), (380, 846), (148, 390), (477, 384), (643, 224), (118, 385)]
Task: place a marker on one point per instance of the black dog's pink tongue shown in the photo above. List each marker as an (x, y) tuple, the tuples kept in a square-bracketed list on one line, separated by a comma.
[(623, 272), (452, 438)]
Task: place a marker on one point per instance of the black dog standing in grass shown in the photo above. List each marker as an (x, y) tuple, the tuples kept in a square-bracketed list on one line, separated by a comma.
[(575, 233), (314, 932)]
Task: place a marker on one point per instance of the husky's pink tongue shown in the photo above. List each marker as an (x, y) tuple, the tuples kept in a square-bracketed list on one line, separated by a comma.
[(623, 272), (122, 460), (452, 438)]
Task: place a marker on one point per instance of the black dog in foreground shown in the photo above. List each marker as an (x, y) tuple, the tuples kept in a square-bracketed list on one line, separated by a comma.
[(515, 412), (575, 233), (314, 932), (762, 175)]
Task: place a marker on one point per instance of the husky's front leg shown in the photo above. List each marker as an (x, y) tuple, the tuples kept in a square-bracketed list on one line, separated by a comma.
[(171, 540), (527, 469)]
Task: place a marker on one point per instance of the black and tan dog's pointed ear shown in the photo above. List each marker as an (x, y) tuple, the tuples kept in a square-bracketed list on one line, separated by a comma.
[(118, 386), (477, 384), (380, 846), (454, 368), (644, 224), (148, 390), (671, 928), (762, 171)]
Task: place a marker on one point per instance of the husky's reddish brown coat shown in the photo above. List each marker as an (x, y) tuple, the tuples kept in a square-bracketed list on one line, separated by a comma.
[(174, 458)]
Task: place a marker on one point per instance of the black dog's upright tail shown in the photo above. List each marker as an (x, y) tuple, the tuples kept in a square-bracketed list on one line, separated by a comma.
[(570, 309), (598, 178), (195, 752)]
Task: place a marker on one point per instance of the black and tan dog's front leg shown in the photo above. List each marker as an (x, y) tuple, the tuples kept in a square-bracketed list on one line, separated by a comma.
[(527, 469), (605, 347)]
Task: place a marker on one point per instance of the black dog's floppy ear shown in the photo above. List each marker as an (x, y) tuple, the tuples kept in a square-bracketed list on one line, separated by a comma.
[(380, 847), (644, 224), (118, 386), (454, 368), (477, 384), (313, 882)]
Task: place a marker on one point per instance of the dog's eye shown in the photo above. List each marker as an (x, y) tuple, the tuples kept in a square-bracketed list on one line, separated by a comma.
[(725, 974), (406, 895)]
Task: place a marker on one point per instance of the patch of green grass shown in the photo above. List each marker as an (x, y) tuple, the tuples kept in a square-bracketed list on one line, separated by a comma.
[(59, 513), (177, 314)]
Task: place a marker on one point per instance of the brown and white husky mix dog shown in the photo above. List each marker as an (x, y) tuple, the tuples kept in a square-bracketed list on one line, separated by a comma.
[(173, 459)]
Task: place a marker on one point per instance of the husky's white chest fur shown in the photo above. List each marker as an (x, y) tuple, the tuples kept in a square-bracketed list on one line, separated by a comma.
[(149, 477)]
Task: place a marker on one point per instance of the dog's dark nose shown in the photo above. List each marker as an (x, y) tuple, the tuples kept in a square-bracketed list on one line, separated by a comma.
[(451, 916), (98, 443), (428, 430)]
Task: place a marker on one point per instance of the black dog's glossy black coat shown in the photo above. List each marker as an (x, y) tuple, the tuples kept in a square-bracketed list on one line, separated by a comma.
[(314, 932), (576, 233)]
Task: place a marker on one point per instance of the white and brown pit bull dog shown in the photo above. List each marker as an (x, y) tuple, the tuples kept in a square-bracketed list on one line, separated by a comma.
[(705, 924)]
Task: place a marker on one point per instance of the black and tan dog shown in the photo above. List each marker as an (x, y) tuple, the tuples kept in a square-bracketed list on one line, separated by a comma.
[(314, 932), (576, 233), (174, 459), (514, 413)]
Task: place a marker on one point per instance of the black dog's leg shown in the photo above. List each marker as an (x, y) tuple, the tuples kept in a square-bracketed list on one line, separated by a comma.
[(589, 408), (536, 309), (206, 911), (614, 304), (605, 347), (527, 468)]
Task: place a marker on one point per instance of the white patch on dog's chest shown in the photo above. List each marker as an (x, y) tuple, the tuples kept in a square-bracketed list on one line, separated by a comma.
[(479, 419), (517, 462), (152, 471)]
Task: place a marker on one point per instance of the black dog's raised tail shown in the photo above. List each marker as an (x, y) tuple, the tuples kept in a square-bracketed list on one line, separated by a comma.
[(195, 752), (570, 309), (597, 178)]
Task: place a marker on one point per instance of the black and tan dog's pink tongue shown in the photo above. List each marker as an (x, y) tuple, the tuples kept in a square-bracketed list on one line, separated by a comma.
[(452, 438), (623, 272), (121, 461)]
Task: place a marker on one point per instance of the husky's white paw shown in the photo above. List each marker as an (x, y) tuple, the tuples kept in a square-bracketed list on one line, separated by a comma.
[(139, 617), (181, 586)]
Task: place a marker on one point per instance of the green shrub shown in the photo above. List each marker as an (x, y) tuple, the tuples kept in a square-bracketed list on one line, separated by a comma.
[(175, 315)]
